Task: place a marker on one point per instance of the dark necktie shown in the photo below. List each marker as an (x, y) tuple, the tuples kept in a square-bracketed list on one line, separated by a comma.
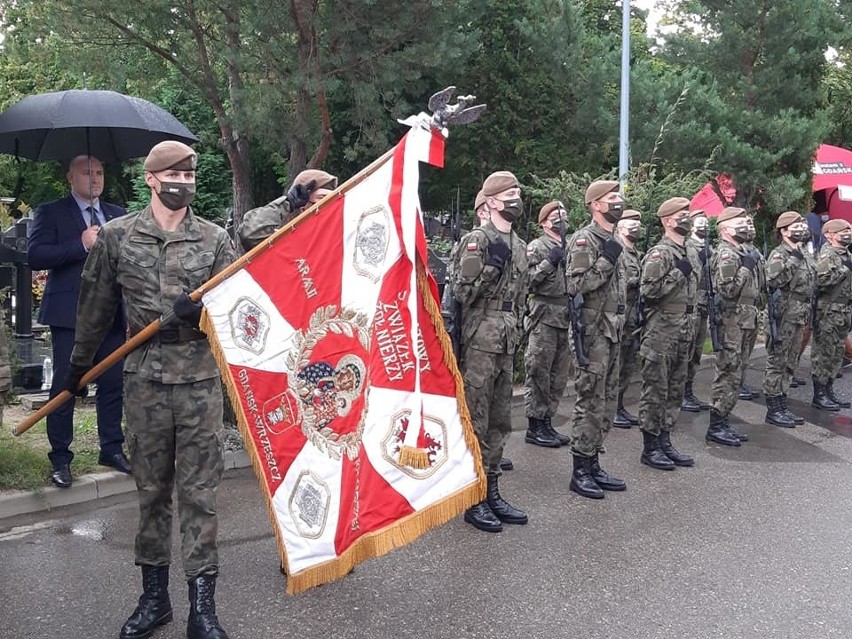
[(92, 217)]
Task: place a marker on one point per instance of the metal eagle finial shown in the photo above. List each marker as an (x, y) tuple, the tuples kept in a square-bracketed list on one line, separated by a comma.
[(445, 114)]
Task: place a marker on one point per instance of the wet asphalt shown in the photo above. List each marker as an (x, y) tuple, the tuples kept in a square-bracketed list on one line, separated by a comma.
[(751, 542)]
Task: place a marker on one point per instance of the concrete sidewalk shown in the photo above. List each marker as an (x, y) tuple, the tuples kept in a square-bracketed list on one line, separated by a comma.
[(107, 484)]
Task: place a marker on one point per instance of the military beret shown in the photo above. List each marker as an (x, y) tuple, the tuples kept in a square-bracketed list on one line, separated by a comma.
[(631, 214), (835, 226), (786, 219), (478, 201), (498, 182), (548, 208), (599, 188), (171, 155), (321, 179), (672, 206), (730, 213), (698, 213)]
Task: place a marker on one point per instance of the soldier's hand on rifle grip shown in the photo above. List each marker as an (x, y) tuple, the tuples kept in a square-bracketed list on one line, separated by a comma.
[(684, 267), (299, 194), (749, 261), (556, 255), (498, 253), (702, 254), (71, 382), (187, 310), (612, 249)]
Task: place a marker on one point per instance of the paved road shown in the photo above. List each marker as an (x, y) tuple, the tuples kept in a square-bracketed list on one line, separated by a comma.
[(752, 542)]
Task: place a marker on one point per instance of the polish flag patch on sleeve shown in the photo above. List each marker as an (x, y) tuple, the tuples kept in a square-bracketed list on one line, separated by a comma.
[(472, 246), (581, 242)]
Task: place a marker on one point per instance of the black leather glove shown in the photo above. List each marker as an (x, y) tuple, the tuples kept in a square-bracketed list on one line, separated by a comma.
[(702, 255), (498, 253), (749, 261), (71, 382), (298, 194), (187, 310), (612, 249), (797, 254), (684, 267), (556, 255)]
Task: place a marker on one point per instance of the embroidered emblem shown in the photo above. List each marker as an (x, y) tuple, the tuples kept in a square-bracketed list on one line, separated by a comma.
[(309, 504), (249, 325), (432, 438), (371, 243)]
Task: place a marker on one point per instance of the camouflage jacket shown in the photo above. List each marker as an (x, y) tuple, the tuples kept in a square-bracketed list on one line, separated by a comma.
[(669, 296), (630, 262), (701, 267), (792, 271), (548, 302), (258, 224), (601, 282), (735, 285), (492, 299), (5, 359), (834, 278), (150, 268)]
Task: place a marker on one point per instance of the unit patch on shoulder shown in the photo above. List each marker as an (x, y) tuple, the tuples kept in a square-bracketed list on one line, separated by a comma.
[(581, 241), (472, 246)]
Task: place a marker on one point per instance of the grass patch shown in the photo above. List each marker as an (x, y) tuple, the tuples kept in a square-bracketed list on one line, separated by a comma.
[(23, 460)]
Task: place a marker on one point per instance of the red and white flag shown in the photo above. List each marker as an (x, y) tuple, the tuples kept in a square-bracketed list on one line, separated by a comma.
[(343, 379)]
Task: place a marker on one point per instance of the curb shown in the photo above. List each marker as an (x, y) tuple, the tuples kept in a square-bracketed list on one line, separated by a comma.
[(86, 488)]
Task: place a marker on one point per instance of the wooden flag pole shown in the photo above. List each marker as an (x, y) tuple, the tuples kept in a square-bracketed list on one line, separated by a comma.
[(149, 331)]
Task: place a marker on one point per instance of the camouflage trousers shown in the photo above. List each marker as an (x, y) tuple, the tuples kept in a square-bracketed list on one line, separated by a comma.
[(748, 346), (596, 387), (782, 358), (175, 436), (827, 344), (664, 371), (702, 329), (488, 390), (628, 350), (547, 361), (730, 366)]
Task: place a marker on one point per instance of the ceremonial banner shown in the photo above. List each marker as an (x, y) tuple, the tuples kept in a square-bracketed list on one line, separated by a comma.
[(343, 379)]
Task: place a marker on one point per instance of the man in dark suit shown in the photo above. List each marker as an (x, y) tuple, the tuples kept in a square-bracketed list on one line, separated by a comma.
[(60, 237)]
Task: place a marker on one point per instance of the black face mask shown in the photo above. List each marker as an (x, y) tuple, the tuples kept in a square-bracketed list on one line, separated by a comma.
[(845, 239), (512, 209), (800, 235), (613, 212), (750, 234), (176, 195), (683, 227), (741, 234), (701, 233)]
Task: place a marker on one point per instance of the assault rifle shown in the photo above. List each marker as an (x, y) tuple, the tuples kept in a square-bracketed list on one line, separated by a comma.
[(450, 308), (575, 307), (773, 299), (640, 300), (712, 302), (814, 304)]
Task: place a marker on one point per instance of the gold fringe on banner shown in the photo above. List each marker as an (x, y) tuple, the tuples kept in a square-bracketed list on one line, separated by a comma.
[(400, 533)]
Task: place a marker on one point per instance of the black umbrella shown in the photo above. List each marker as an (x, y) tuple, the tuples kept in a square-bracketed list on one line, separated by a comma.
[(108, 125)]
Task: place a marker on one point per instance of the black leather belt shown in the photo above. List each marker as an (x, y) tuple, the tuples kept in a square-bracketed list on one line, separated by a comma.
[(496, 305)]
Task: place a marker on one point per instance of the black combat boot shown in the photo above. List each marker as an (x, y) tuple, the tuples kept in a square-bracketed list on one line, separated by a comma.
[(673, 453), (504, 511), (775, 412), (155, 607), (582, 481), (538, 435), (506, 464), (483, 518), (797, 419), (719, 430), (821, 398), (795, 382), (690, 403), (202, 622), (652, 454), (623, 419), (563, 440), (748, 393), (829, 389), (603, 478)]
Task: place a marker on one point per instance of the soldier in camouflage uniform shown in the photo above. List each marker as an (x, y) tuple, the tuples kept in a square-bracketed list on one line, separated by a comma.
[(490, 284), (547, 359), (668, 286), (746, 391), (791, 272), (309, 187), (595, 273), (700, 252), (735, 281), (172, 386), (834, 292), (628, 231)]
